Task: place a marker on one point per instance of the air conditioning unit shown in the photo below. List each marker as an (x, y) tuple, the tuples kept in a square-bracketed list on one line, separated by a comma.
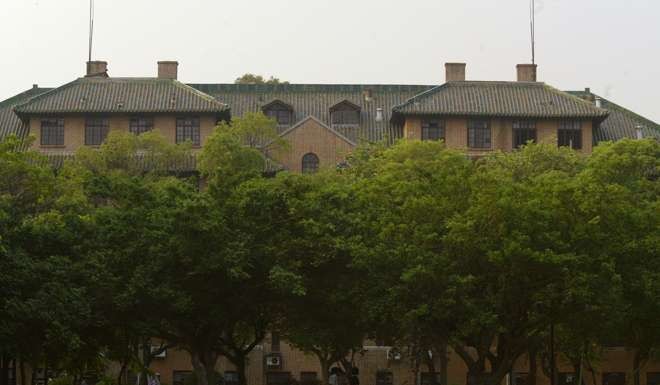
[(161, 355), (274, 361), (394, 354)]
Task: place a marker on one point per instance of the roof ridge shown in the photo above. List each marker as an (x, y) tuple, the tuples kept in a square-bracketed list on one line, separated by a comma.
[(575, 98)]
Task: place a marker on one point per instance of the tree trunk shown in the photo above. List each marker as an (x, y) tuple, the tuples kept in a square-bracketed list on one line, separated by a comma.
[(240, 368), (533, 367), (204, 366), (444, 365), (430, 365), (22, 369), (638, 362), (4, 370), (325, 369), (122, 371)]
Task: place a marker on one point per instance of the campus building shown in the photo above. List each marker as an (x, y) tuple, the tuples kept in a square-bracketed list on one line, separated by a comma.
[(323, 124)]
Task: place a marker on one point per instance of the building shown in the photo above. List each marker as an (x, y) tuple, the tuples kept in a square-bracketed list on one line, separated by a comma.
[(323, 124)]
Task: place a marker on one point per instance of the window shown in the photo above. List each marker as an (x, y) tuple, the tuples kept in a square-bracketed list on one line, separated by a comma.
[(275, 336), (433, 130), (179, 377), (519, 379), (230, 377), (479, 135), (187, 129), (310, 163), (653, 378), (345, 113), (281, 112), (523, 132), (384, 377), (431, 379), (140, 125), (96, 130), (569, 134), (614, 378), (278, 378), (309, 378), (52, 132)]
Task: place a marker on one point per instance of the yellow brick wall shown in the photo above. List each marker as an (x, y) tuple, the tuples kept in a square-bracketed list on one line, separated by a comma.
[(312, 136), (74, 129), (501, 133)]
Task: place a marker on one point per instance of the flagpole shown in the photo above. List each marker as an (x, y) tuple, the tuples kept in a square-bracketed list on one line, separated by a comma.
[(91, 28)]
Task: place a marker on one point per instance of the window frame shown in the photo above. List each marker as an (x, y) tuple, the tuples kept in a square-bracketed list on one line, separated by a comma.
[(425, 135), (345, 113), (567, 131), (92, 124), (140, 124), (192, 124), (479, 137), (522, 129), (278, 110), (56, 131), (306, 160)]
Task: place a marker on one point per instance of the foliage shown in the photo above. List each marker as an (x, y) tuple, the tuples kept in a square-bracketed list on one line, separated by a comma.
[(258, 79)]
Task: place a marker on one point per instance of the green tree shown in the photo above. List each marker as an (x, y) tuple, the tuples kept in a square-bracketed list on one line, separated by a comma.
[(258, 79)]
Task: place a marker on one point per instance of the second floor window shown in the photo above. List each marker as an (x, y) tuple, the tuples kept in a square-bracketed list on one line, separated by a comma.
[(140, 125), (345, 114), (569, 134), (479, 135), (187, 129), (433, 130), (523, 132), (52, 132), (96, 130), (281, 112)]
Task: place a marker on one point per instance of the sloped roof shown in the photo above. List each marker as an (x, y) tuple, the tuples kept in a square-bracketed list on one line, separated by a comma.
[(505, 99), (317, 99), (621, 123), (122, 95), (9, 121)]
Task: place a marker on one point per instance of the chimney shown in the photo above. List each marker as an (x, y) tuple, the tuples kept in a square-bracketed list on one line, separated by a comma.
[(527, 72), (599, 102), (455, 72), (97, 69), (168, 69)]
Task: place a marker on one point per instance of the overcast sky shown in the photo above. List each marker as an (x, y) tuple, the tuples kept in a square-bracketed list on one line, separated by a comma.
[(612, 46)]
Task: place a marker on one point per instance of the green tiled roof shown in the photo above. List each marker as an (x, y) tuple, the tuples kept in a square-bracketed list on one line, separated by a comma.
[(505, 99), (317, 99), (621, 123), (122, 95), (9, 121)]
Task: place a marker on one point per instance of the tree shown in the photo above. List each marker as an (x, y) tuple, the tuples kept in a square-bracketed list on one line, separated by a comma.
[(526, 252), (258, 79), (407, 195)]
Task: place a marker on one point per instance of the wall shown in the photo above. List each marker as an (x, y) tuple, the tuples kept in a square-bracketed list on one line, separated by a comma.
[(312, 136), (375, 359), (74, 129), (501, 133)]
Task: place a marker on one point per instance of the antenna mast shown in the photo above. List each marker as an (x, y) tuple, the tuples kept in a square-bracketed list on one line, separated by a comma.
[(91, 28), (532, 27)]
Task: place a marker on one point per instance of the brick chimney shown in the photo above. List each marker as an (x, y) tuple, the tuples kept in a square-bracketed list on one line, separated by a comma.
[(526, 72), (455, 72), (168, 69), (97, 69)]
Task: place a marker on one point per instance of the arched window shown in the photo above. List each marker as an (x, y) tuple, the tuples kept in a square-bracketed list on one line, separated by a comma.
[(310, 163), (345, 113), (281, 112)]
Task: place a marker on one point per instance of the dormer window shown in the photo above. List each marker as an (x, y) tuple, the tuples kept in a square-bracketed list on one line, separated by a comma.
[(281, 112), (345, 113)]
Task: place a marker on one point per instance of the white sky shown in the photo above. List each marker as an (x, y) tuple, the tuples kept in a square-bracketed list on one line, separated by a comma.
[(612, 46)]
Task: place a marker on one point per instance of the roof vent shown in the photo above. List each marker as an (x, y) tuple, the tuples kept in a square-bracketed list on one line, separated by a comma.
[(455, 72), (599, 102), (368, 95), (639, 132)]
